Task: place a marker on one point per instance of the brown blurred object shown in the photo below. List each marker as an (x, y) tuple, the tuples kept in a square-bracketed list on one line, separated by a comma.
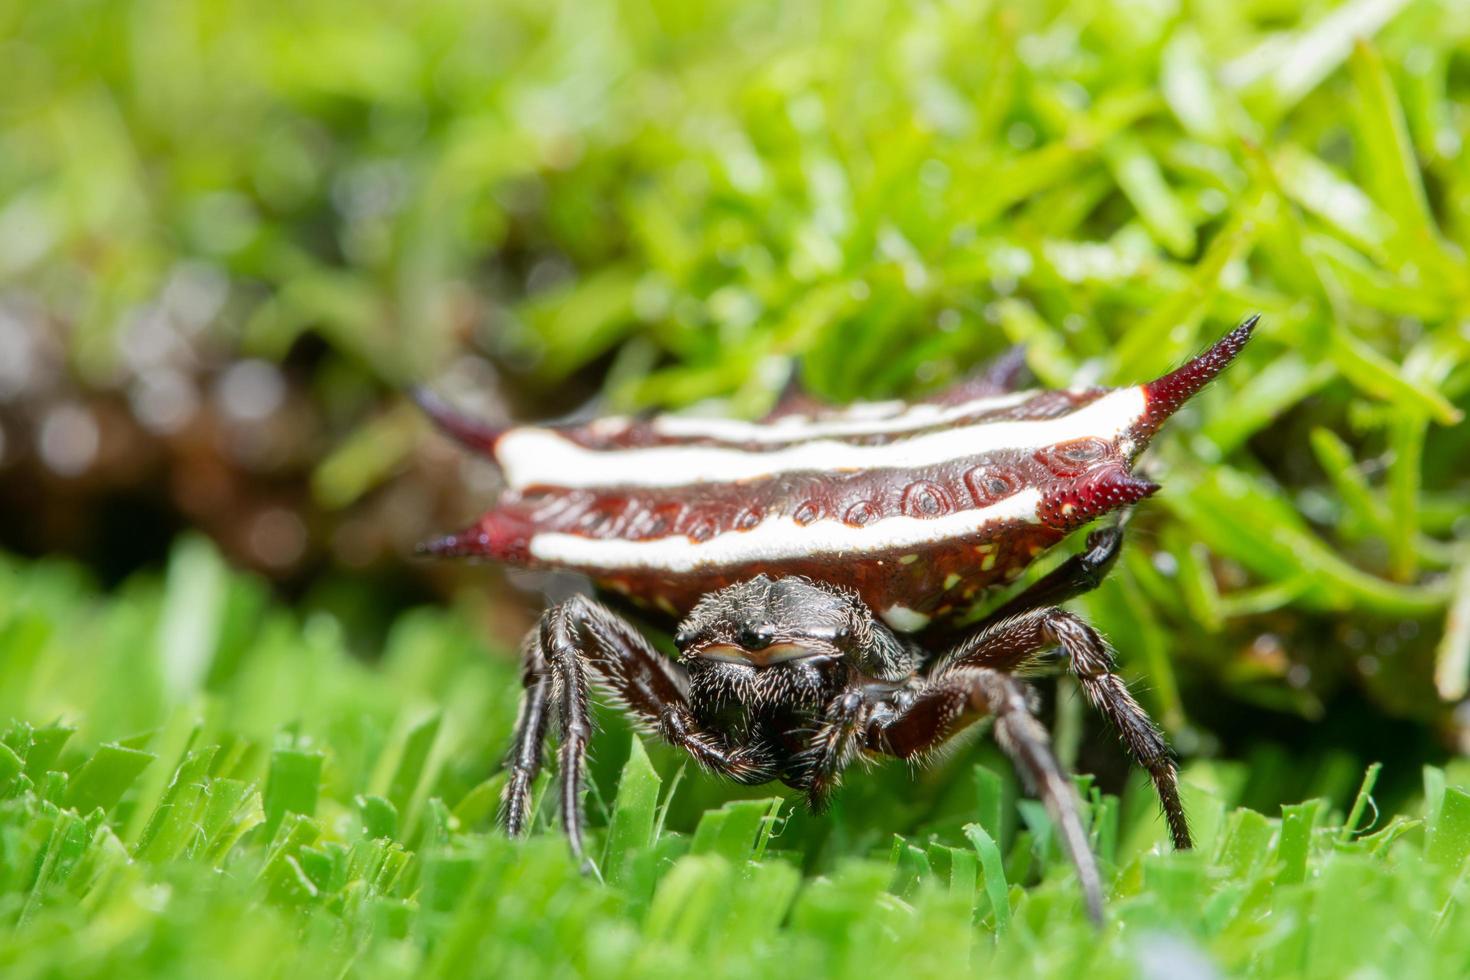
[(184, 433)]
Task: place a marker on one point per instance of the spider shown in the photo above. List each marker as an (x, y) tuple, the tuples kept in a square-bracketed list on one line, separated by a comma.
[(815, 562)]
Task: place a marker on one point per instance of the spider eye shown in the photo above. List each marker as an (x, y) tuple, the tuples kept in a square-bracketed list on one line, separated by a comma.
[(756, 637), (683, 638)]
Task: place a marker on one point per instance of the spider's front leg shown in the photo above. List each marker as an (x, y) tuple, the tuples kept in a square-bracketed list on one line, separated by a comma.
[(575, 644), (1078, 575), (957, 695), (1006, 644), (837, 742)]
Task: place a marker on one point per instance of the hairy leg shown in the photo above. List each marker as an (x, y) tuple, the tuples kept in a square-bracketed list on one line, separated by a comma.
[(1079, 574), (836, 743), (524, 759), (1006, 644), (576, 644), (957, 696)]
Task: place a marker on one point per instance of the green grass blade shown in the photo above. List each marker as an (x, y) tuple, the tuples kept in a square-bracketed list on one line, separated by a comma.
[(1294, 843), (105, 777), (1449, 832), (993, 870), (412, 769), (1376, 375), (1389, 166), (1140, 178), (733, 830), (1452, 658), (634, 811), (1352, 827), (175, 821), (292, 785)]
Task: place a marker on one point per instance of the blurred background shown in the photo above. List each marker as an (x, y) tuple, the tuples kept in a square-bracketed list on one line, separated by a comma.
[(232, 233)]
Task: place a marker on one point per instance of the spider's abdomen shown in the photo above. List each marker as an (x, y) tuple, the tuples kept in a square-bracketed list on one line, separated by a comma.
[(918, 507)]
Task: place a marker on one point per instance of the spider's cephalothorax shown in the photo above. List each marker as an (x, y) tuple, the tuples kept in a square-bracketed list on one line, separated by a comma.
[(799, 550)]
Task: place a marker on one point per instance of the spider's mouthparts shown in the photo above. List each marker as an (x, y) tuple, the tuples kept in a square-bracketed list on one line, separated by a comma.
[(766, 656), (1164, 396)]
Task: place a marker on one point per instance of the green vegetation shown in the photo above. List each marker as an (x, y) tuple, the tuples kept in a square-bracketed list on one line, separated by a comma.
[(674, 203), (234, 794)]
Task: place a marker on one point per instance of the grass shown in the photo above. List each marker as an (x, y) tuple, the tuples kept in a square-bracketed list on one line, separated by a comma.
[(675, 204), (200, 783)]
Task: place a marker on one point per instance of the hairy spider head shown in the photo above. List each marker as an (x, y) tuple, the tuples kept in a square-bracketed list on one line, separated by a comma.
[(774, 651), (763, 622), (767, 622)]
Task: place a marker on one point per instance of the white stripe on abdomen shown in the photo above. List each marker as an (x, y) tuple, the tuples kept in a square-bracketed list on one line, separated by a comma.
[(780, 537), (868, 418), (536, 457)]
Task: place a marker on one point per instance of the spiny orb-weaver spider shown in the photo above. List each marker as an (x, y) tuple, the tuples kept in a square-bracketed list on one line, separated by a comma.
[(811, 554)]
